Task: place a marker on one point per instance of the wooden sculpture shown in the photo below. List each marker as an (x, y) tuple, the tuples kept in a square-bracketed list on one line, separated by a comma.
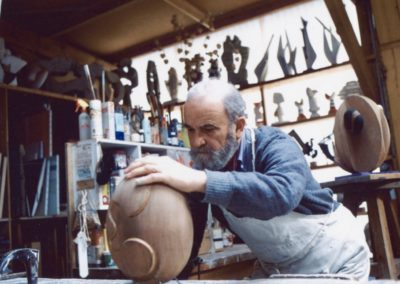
[(150, 231), (362, 135)]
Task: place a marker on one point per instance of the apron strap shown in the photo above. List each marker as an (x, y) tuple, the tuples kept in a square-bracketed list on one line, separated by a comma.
[(253, 148)]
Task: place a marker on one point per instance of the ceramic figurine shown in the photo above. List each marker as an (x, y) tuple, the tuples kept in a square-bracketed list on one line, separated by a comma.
[(309, 53), (331, 50), (172, 84), (232, 46), (278, 99), (300, 116), (288, 67), (262, 67), (314, 108), (332, 107)]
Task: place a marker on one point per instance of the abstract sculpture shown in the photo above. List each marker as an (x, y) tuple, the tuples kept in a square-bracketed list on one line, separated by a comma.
[(331, 50), (172, 84), (232, 46), (288, 67), (153, 90), (262, 67), (362, 135), (309, 53)]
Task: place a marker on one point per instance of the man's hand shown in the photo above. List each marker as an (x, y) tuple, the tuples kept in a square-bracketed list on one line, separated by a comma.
[(155, 169)]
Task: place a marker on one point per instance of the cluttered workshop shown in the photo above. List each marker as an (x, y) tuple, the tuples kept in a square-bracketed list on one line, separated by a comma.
[(209, 141)]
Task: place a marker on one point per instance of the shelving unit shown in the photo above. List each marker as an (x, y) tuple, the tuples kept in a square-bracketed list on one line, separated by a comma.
[(46, 233), (85, 161)]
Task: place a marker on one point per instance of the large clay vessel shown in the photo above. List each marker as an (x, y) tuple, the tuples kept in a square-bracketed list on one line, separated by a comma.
[(150, 231)]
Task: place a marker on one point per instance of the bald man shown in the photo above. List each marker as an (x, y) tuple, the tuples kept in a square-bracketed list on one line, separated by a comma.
[(261, 182)]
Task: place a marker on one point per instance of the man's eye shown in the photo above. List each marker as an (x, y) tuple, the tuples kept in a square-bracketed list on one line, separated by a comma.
[(209, 129)]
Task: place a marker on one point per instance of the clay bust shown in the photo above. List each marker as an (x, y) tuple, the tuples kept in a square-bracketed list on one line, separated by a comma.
[(150, 231)]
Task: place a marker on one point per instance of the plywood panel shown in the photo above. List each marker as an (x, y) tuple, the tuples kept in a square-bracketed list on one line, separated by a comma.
[(391, 60), (387, 18)]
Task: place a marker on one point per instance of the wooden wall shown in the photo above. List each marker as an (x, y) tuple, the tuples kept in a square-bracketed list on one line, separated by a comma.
[(387, 20)]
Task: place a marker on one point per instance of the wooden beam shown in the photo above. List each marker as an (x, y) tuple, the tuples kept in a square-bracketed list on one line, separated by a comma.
[(367, 80), (251, 11), (191, 11), (46, 47), (99, 14)]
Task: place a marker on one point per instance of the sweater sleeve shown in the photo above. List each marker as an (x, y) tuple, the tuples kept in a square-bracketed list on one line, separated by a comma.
[(275, 188)]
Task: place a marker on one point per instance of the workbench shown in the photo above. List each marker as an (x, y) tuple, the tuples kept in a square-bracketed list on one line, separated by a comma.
[(235, 262), (260, 281), (374, 188)]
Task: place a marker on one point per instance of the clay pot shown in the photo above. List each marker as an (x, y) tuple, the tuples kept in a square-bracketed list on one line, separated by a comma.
[(150, 231)]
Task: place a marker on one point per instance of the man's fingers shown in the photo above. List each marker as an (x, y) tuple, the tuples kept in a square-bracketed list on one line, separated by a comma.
[(137, 171), (149, 179)]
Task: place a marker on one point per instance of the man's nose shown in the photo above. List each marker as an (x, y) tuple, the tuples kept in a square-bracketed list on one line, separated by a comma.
[(197, 141)]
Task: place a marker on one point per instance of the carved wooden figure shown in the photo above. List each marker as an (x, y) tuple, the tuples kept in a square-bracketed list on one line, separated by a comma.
[(150, 231)]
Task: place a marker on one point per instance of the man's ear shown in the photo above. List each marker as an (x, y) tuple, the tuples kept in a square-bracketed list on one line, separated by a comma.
[(240, 124)]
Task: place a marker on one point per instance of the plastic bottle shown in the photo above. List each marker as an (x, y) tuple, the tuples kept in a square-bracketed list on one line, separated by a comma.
[(164, 131), (146, 130), (173, 132), (155, 131), (108, 114), (119, 123), (84, 124), (96, 124), (127, 125)]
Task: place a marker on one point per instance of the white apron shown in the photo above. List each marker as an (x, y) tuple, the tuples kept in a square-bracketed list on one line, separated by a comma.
[(299, 243)]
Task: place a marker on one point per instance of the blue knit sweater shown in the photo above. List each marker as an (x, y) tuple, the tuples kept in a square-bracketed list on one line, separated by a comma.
[(282, 181)]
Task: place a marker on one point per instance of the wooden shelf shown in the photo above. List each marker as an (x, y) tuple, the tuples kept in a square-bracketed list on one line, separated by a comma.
[(43, 218), (297, 76), (302, 121), (38, 92)]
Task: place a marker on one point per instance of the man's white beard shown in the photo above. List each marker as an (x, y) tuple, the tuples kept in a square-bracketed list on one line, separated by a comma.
[(206, 158)]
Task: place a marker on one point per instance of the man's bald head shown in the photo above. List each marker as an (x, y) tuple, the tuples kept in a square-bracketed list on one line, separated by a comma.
[(217, 91)]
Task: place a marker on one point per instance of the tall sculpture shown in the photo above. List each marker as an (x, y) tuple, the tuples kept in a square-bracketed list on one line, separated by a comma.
[(288, 67), (153, 90), (309, 53), (331, 50), (262, 67)]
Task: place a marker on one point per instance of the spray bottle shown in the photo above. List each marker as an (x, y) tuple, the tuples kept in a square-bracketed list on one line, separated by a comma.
[(84, 119)]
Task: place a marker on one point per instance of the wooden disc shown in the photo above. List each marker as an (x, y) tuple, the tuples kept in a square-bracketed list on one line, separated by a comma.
[(367, 149), (150, 231)]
